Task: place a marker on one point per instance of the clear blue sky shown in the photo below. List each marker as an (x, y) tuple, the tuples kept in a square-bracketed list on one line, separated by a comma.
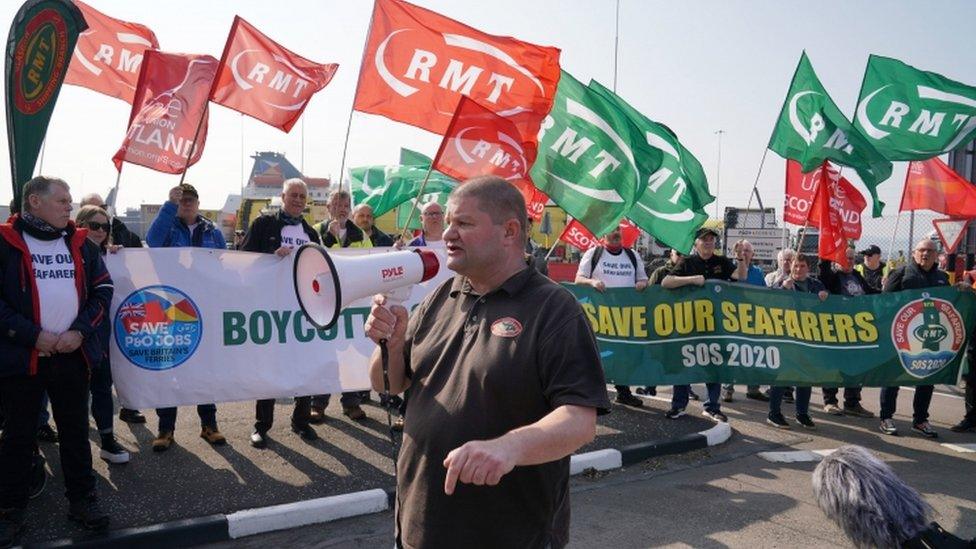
[(696, 66)]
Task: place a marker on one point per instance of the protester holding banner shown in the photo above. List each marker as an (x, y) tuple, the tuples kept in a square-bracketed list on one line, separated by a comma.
[(844, 280), (744, 253), (613, 266), (340, 232), (919, 272), (696, 269), (485, 456), (54, 297), (798, 281), (180, 224), (362, 216), (120, 236), (968, 423), (279, 233), (873, 271), (95, 219), (784, 262)]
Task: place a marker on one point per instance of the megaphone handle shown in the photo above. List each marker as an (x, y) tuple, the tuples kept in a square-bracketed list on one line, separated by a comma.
[(385, 362)]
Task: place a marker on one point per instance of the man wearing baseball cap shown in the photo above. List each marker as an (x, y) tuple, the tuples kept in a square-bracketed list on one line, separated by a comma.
[(179, 224), (694, 271), (873, 271)]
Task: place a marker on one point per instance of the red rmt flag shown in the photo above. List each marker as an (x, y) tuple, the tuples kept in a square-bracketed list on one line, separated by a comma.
[(262, 79), (417, 64), (576, 234), (933, 185), (170, 100), (535, 200), (832, 244), (800, 188), (109, 54), (479, 142)]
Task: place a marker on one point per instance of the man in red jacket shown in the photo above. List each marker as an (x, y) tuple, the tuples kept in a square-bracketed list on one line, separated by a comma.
[(54, 297)]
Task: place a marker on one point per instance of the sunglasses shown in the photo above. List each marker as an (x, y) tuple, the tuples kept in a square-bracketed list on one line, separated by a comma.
[(96, 226)]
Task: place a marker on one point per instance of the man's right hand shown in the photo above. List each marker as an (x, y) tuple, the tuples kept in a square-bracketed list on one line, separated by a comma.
[(175, 194), (598, 285), (386, 323), (788, 283), (46, 342), (334, 228)]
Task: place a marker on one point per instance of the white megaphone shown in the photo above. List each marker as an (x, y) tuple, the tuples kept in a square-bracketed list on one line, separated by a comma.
[(325, 284)]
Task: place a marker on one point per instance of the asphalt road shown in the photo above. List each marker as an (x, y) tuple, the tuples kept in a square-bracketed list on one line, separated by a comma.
[(728, 496), (193, 479)]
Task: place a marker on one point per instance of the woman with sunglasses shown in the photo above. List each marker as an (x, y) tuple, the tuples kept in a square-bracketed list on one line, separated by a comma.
[(97, 222)]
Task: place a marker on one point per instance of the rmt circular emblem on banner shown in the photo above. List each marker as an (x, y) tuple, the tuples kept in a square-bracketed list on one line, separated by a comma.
[(158, 327), (927, 334), (40, 60)]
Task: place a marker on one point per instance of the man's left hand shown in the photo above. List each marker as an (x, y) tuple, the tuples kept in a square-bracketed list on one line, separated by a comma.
[(68, 342), (283, 251), (641, 284), (479, 462), (822, 294)]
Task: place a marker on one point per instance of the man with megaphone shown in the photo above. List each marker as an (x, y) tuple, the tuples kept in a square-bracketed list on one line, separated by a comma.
[(505, 383)]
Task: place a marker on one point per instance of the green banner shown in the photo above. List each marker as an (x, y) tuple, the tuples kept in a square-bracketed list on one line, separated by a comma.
[(734, 333), (39, 47)]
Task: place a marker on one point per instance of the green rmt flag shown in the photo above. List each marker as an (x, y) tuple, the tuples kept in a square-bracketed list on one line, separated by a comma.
[(811, 129), (909, 114), (672, 206), (386, 187), (591, 159)]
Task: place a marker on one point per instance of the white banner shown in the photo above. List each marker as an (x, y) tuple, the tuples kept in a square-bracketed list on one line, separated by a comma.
[(192, 326)]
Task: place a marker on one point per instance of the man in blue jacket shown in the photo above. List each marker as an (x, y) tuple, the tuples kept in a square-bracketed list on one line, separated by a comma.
[(177, 225), (54, 298)]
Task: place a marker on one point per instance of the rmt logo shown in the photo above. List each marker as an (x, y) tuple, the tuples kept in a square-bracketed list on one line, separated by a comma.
[(392, 273)]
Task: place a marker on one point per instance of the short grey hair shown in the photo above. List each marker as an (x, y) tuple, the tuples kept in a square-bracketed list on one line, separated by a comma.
[(93, 199), (292, 182), (40, 186), (785, 253), (863, 496), (339, 193), (360, 207)]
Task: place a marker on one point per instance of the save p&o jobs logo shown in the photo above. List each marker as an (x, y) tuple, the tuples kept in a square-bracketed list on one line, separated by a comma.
[(158, 327), (927, 333)]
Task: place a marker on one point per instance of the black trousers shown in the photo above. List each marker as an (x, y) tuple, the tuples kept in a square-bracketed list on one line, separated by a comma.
[(65, 378), (264, 413), (852, 396), (920, 403)]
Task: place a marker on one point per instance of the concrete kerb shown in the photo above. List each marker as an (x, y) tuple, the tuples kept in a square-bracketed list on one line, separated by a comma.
[(215, 528)]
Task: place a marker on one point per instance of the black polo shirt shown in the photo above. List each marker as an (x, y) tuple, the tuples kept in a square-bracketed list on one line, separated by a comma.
[(481, 366), (715, 267)]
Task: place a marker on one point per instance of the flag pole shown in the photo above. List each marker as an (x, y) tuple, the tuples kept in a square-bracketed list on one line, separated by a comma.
[(40, 164), (352, 108), (891, 248), (416, 202), (758, 173), (616, 45), (242, 159)]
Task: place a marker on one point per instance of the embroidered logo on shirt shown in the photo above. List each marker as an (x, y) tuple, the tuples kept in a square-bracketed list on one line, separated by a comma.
[(506, 327)]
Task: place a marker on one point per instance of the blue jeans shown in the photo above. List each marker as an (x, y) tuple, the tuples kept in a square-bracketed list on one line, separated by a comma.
[(679, 397), (102, 407), (207, 413), (801, 399)]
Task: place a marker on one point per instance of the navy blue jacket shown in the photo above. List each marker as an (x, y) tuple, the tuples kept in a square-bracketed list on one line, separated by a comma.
[(20, 302), (169, 231)]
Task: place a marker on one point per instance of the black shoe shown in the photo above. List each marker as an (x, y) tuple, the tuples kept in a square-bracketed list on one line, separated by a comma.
[(259, 439), (925, 430), (112, 451), (757, 395), (965, 426), (717, 417), (788, 397), (674, 413), (46, 433), (727, 395), (778, 421), (393, 403), (650, 390), (805, 421), (88, 514), (693, 395), (131, 416), (38, 477), (629, 400), (11, 523), (305, 431)]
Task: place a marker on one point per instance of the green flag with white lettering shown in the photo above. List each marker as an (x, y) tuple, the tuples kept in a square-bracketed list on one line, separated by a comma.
[(386, 187), (672, 206), (811, 129), (591, 157), (910, 114)]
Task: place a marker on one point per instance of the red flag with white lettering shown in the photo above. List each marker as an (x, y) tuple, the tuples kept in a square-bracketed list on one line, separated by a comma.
[(262, 79), (170, 100), (832, 244), (576, 234), (109, 54), (800, 189), (535, 200), (417, 64), (479, 142)]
